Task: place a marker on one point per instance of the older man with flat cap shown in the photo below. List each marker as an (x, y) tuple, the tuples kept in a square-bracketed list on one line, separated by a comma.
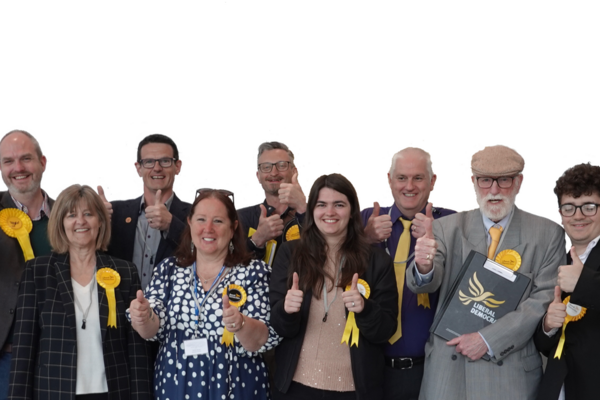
[(455, 369)]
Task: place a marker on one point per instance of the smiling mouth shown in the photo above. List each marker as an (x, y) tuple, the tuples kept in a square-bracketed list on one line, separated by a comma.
[(157, 177), (20, 177), (409, 194), (81, 230), (330, 221), (209, 239)]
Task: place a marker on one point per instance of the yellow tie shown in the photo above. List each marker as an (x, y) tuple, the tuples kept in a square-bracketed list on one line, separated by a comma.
[(495, 234), (400, 269)]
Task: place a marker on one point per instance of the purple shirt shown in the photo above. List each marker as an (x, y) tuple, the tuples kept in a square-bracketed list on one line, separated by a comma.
[(416, 320)]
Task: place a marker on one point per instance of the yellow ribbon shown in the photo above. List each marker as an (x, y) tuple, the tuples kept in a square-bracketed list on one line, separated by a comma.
[(423, 300), (237, 298), (15, 223), (351, 329), (574, 313), (269, 247), (109, 279)]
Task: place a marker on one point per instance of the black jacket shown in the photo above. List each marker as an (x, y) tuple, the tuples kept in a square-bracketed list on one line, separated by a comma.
[(44, 358), (377, 323)]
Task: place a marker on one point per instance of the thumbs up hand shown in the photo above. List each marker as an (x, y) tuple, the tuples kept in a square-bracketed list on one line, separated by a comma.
[(107, 204), (232, 318), (568, 275), (157, 214), (557, 312), (140, 310), (426, 246), (294, 297), (353, 300), (422, 223), (268, 227), (292, 195), (379, 227)]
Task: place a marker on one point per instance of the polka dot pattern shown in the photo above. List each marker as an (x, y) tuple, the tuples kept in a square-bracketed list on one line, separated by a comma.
[(223, 373)]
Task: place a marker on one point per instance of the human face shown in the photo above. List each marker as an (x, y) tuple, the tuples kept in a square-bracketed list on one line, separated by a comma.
[(332, 214), (211, 229), (496, 202), (82, 226), (581, 229), (271, 181), (21, 167), (158, 177), (411, 184)]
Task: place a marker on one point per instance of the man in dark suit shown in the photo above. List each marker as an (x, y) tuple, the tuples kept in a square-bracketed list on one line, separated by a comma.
[(22, 164), (572, 373), (278, 218), (146, 230)]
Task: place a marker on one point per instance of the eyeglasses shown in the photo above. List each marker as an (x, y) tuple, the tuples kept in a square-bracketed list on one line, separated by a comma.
[(587, 209), (222, 191), (151, 162), (504, 182), (268, 167)]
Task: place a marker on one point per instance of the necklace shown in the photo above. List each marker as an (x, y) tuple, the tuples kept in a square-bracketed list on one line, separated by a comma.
[(87, 311), (205, 281), (335, 284)]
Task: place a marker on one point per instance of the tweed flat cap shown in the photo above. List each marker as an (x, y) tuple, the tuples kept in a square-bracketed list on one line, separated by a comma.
[(497, 161)]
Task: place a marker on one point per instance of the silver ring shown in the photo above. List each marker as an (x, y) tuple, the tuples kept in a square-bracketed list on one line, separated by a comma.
[(233, 325), (428, 256), (352, 304)]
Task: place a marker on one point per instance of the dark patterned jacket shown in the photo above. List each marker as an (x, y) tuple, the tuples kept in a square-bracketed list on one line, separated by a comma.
[(44, 359)]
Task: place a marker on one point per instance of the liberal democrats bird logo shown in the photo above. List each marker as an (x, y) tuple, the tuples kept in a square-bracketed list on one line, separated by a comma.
[(477, 290)]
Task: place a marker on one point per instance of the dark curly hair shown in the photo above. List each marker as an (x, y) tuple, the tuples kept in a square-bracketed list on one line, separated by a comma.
[(580, 180)]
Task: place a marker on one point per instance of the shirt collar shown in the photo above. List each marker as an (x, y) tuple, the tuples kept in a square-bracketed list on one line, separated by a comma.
[(583, 257), (44, 209), (488, 223), (395, 213)]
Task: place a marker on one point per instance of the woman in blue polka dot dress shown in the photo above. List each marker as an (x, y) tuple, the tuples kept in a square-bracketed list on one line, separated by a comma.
[(209, 308)]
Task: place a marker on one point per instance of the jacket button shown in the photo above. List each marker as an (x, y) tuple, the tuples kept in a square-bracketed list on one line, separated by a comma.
[(500, 363), (12, 310), (17, 283), (454, 356)]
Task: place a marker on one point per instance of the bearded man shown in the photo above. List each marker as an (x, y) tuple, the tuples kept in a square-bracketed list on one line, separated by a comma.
[(455, 369)]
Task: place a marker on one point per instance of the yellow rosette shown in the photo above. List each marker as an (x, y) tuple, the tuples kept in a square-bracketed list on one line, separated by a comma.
[(293, 233), (15, 223), (109, 279), (351, 329), (510, 259), (237, 297), (574, 313)]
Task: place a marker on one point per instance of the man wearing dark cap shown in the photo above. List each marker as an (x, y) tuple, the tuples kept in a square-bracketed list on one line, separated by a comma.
[(572, 375), (455, 370)]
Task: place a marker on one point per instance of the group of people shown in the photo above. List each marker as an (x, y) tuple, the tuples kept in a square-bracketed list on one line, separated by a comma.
[(158, 298)]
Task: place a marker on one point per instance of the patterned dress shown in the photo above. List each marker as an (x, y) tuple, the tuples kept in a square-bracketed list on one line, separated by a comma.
[(225, 372)]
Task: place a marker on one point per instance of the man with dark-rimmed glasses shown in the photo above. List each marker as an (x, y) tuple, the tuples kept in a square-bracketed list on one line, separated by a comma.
[(146, 230), (276, 220), (573, 375)]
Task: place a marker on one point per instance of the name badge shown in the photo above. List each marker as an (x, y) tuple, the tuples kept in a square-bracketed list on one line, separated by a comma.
[(193, 347)]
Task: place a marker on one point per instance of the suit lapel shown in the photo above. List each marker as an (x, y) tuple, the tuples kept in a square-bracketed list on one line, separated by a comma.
[(102, 262), (593, 260), (132, 213), (65, 288), (512, 236), (477, 235)]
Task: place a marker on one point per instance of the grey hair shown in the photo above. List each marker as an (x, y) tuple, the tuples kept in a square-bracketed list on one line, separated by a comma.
[(36, 144), (274, 146), (423, 153)]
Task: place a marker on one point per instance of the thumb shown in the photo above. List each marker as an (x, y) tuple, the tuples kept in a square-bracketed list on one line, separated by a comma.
[(354, 282), (140, 296), (263, 211), (429, 210), (158, 195), (101, 194), (557, 293), (295, 281), (429, 230), (574, 256), (295, 177), (226, 304), (375, 210)]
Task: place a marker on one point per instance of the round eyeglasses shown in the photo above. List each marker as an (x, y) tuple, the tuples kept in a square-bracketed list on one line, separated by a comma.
[(151, 162), (587, 209)]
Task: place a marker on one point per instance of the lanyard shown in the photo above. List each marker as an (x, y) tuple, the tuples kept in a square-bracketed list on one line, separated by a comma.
[(200, 306), (337, 281)]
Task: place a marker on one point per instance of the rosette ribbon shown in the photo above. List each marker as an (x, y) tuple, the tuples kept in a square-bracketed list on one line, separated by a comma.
[(351, 330), (15, 223), (574, 313), (109, 279), (237, 297)]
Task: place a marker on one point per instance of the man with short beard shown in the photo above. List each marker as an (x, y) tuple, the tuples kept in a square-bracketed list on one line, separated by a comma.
[(455, 369), (22, 165)]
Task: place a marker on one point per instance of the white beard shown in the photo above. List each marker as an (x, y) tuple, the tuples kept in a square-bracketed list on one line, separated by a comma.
[(498, 211)]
